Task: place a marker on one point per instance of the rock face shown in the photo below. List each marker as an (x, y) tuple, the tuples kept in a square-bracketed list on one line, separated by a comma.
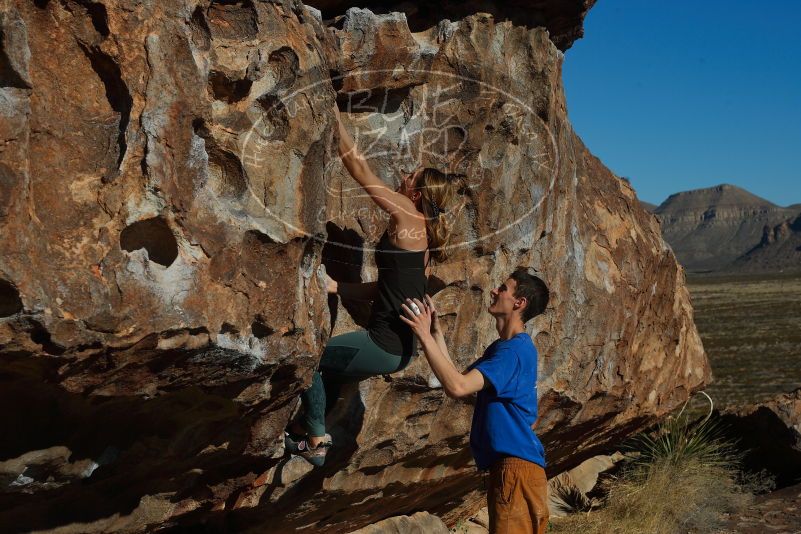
[(419, 523), (778, 511), (709, 229), (647, 206), (562, 18), (170, 191), (769, 435)]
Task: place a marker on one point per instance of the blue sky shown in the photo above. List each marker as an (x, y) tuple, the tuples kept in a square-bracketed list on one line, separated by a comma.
[(685, 94)]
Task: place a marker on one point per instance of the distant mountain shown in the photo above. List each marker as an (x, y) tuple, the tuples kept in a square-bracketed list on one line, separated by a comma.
[(710, 228), (779, 250)]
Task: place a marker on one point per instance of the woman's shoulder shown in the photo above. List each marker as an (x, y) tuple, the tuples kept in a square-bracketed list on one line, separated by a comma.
[(407, 238)]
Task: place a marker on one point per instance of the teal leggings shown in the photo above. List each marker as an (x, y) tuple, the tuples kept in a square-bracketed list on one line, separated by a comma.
[(347, 358)]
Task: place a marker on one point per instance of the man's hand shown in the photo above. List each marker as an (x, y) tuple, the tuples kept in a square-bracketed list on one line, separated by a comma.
[(428, 308), (436, 330), (417, 316)]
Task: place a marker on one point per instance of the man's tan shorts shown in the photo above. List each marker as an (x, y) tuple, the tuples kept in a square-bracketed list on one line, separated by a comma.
[(517, 497)]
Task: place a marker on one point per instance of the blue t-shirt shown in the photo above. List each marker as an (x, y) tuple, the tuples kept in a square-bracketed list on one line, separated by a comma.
[(506, 409)]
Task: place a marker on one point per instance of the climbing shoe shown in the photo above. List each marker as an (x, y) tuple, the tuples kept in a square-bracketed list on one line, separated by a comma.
[(313, 455)]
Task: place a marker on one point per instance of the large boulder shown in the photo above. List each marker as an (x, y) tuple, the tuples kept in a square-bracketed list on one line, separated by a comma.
[(768, 434), (419, 523), (173, 189), (564, 19)]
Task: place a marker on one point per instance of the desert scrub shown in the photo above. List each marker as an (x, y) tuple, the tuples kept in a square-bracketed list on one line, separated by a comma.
[(681, 477)]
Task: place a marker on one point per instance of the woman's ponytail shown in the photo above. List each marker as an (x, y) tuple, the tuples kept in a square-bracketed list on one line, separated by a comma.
[(439, 192)]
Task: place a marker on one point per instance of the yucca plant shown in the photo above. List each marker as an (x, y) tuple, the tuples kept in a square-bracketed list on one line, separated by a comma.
[(680, 477), (677, 440)]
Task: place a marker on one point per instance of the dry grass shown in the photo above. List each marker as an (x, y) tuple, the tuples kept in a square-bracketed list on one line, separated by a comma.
[(663, 498), (751, 330), (680, 478)]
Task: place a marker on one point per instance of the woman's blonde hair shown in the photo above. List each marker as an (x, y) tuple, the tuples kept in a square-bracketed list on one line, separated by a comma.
[(439, 193)]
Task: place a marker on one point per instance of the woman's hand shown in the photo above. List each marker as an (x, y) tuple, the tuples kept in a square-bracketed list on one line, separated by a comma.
[(417, 316), (331, 285)]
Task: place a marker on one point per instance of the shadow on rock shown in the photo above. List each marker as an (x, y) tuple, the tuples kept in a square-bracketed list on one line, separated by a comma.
[(77, 458)]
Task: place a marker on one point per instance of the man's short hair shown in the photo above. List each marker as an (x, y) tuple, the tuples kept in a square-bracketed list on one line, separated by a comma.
[(533, 289)]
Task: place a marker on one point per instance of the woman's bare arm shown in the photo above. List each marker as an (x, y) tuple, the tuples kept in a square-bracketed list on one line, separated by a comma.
[(388, 200)]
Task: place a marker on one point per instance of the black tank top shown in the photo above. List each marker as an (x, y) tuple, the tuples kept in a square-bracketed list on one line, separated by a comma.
[(401, 275)]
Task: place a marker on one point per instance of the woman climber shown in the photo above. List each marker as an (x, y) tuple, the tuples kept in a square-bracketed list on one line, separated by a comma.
[(417, 229)]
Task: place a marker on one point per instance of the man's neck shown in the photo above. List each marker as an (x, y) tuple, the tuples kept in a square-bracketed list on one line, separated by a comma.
[(509, 327)]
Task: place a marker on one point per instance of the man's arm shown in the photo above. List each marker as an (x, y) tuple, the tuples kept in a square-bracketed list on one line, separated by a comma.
[(439, 337), (455, 384), (436, 330)]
